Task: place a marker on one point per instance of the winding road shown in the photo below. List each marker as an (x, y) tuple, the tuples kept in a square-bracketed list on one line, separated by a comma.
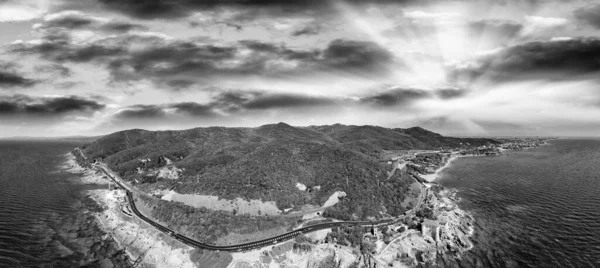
[(239, 247)]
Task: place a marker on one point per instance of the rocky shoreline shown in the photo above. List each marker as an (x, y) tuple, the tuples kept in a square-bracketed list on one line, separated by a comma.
[(105, 251), (416, 239), (443, 234), (120, 240), (437, 231), (80, 240)]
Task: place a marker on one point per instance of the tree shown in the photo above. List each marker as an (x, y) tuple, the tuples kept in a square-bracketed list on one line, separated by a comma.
[(367, 247)]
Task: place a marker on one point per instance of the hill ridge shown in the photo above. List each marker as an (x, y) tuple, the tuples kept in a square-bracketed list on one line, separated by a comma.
[(268, 162)]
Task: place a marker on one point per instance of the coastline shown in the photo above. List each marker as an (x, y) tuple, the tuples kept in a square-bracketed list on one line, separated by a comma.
[(84, 234), (88, 176), (144, 245), (434, 176), (451, 227), (141, 243), (459, 228)]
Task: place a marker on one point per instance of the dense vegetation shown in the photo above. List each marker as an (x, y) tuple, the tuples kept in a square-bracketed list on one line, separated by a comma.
[(372, 139), (347, 235), (267, 162), (372, 199), (206, 225)]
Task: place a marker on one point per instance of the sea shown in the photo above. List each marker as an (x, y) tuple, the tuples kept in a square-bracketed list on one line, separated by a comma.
[(41, 217), (532, 208)]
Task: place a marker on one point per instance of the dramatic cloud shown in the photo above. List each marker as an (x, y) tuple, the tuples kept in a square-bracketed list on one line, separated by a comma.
[(9, 77), (357, 56), (68, 84), (193, 109), (396, 96), (55, 70), (173, 9), (46, 106), (537, 25), (165, 9), (163, 110), (142, 111), (285, 101), (61, 42), (67, 19), (450, 93), (61, 51), (562, 56), (180, 64), (226, 102), (72, 20), (589, 14), (501, 29), (22, 10), (311, 29), (266, 101), (183, 63)]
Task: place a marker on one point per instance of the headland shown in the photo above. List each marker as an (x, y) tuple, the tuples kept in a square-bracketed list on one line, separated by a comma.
[(423, 222)]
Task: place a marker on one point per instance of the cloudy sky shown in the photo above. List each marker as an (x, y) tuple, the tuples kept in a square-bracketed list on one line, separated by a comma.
[(470, 67)]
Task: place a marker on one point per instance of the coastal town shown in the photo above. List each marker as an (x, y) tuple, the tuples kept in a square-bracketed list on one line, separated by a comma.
[(425, 163)]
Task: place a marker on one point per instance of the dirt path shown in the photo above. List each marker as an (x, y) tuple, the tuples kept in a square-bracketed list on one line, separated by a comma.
[(392, 242)]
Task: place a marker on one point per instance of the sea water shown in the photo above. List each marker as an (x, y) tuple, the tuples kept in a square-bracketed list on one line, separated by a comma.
[(40, 205), (532, 208)]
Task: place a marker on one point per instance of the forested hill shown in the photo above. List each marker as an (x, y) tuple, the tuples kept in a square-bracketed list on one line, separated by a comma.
[(373, 139), (269, 161)]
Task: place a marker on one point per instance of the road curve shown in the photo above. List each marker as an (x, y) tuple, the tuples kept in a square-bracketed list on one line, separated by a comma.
[(239, 247)]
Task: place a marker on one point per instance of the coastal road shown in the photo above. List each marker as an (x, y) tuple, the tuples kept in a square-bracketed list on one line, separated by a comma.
[(420, 199), (239, 247)]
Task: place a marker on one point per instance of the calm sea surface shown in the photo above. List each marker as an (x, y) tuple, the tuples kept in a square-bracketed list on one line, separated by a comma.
[(533, 208), (39, 205)]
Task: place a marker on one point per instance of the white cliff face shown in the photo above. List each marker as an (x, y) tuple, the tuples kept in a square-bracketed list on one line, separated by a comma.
[(301, 186), (334, 198), (169, 172)]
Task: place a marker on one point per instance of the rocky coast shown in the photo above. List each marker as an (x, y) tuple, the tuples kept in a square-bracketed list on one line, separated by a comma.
[(123, 241), (433, 230), (83, 236)]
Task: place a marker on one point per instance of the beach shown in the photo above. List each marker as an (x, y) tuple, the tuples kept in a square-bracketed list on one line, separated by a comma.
[(432, 177)]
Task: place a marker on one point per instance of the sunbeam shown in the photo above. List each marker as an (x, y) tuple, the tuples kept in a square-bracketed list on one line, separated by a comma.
[(96, 66)]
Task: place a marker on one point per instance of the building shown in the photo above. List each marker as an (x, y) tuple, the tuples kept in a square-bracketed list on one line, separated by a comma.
[(431, 228)]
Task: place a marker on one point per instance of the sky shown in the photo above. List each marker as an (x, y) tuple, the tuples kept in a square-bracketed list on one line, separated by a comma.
[(462, 68)]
